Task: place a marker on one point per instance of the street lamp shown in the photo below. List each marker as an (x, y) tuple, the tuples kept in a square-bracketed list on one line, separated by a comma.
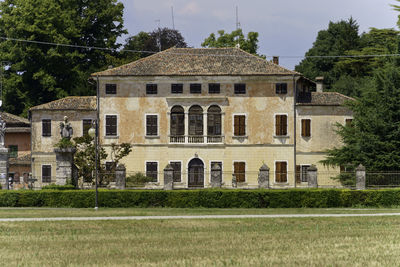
[(93, 132)]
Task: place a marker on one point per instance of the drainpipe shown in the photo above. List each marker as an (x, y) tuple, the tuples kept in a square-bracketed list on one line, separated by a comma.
[(294, 128)]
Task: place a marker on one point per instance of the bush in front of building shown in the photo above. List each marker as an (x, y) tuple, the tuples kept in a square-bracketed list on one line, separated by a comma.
[(58, 187), (207, 198)]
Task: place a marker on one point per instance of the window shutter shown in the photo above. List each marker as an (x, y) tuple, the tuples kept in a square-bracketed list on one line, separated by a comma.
[(284, 172), (111, 125), (298, 174), (278, 125), (236, 125), (284, 125)]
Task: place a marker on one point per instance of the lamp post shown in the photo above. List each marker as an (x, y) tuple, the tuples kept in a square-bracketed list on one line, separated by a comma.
[(93, 132)]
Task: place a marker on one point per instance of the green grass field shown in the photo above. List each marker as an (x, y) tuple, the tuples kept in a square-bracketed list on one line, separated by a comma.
[(356, 241)]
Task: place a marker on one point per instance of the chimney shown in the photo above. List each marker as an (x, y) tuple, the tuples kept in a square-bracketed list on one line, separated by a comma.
[(320, 83), (275, 60)]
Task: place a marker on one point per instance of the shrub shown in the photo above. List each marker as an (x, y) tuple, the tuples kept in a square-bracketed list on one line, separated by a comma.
[(58, 187), (136, 180)]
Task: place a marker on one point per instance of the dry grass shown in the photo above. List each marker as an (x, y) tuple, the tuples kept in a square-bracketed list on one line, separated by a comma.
[(357, 241), (68, 212)]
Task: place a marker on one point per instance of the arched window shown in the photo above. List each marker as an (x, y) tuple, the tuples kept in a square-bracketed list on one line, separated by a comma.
[(214, 124), (177, 130), (196, 125)]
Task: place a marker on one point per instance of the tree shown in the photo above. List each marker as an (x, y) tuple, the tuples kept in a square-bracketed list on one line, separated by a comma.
[(249, 44), (373, 139), (84, 158), (340, 37), (37, 72), (149, 41)]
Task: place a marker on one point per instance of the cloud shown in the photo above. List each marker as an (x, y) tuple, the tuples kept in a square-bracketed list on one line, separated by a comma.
[(191, 8)]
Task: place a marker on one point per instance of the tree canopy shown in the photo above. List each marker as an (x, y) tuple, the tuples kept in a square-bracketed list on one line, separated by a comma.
[(159, 39), (249, 44), (36, 73)]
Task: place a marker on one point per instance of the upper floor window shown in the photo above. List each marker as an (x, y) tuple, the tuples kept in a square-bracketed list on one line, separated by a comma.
[(151, 89), (176, 88), (306, 128), (151, 125), (281, 88), (111, 125), (111, 89), (195, 120), (239, 169), (177, 121), (86, 125), (281, 125), (46, 173), (152, 171), (239, 125), (46, 127), (214, 120), (214, 88), (195, 88), (240, 88), (13, 151), (281, 172)]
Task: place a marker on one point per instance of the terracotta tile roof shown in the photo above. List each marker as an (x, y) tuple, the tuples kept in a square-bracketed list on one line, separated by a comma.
[(198, 61), (324, 99), (69, 103), (14, 120)]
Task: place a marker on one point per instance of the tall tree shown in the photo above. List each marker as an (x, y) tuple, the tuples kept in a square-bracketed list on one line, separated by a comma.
[(373, 138), (249, 44), (37, 72), (155, 41), (336, 40)]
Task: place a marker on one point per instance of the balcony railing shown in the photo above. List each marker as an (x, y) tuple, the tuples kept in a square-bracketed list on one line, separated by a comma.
[(196, 139)]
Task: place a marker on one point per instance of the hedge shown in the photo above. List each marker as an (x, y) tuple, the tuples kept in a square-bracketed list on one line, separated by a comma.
[(207, 198)]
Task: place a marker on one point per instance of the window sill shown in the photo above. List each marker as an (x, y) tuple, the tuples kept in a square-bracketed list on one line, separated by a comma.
[(240, 136), (152, 137), (111, 137), (281, 184), (281, 136)]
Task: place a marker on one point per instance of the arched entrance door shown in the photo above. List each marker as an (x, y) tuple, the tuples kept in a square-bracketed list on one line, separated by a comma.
[(196, 173)]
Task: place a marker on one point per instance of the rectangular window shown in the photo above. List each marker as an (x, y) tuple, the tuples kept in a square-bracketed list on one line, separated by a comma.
[(151, 89), (195, 88), (46, 173), (214, 88), (240, 171), (111, 89), (281, 172), (111, 125), (280, 125), (86, 125), (304, 173), (306, 128), (13, 151), (177, 166), (176, 88), (46, 127), (152, 171), (240, 88), (281, 88), (348, 122), (151, 125), (239, 125)]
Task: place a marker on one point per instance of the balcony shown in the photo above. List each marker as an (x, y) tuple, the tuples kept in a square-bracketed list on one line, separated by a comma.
[(196, 139)]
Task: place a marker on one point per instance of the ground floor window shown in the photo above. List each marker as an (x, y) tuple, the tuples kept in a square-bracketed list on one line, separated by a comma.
[(152, 170), (239, 169), (281, 172), (46, 173), (302, 173), (177, 166)]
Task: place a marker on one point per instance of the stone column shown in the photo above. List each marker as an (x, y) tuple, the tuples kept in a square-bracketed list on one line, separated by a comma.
[(216, 175), (64, 162), (120, 176), (312, 176), (4, 167), (263, 176), (360, 177), (168, 177)]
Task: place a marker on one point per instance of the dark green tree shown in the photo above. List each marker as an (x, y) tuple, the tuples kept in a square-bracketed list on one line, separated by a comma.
[(249, 44), (373, 139), (159, 39), (340, 37), (37, 72)]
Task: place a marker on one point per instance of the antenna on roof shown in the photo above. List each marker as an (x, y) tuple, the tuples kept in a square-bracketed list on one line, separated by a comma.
[(237, 26), (172, 14), (159, 35)]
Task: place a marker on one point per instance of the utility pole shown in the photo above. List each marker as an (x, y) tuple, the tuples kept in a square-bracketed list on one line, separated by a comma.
[(237, 26)]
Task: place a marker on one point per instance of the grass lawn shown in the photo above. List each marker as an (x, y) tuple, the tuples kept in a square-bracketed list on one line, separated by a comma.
[(356, 241), (68, 212)]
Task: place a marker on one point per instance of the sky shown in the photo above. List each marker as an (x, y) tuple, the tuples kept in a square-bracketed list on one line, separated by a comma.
[(285, 27)]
